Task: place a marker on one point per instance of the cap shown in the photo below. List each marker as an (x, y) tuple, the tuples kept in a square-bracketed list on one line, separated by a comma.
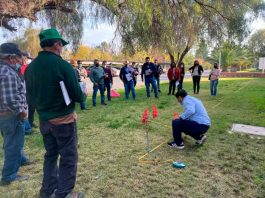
[(8, 49), (51, 33)]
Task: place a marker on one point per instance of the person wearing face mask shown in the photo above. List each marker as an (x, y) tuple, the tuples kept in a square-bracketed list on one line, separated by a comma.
[(126, 76), (196, 72), (108, 79), (44, 78), (13, 112), (148, 76), (182, 75), (96, 76), (81, 76), (194, 121)]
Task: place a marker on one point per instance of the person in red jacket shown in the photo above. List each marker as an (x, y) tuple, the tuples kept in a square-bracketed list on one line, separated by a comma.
[(173, 75)]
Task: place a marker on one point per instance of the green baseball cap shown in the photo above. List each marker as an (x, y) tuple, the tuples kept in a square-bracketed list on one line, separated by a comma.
[(51, 33)]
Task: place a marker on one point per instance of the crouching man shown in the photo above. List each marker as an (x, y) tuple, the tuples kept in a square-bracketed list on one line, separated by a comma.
[(194, 121)]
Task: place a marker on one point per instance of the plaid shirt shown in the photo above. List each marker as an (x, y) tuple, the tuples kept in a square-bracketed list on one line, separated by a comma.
[(12, 90)]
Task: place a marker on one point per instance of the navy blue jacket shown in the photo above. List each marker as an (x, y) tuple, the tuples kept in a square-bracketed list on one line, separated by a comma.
[(123, 73), (147, 66)]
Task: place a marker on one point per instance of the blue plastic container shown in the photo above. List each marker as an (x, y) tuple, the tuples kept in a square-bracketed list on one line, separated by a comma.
[(178, 165)]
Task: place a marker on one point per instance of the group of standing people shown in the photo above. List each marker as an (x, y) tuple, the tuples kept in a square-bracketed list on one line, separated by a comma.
[(150, 75), (176, 76)]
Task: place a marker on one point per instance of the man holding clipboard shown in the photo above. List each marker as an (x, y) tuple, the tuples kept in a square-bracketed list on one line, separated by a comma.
[(126, 75), (53, 89)]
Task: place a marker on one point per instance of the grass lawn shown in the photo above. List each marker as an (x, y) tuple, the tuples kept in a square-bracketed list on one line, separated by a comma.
[(112, 138)]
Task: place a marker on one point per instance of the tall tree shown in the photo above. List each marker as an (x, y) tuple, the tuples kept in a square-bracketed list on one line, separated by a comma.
[(29, 41), (173, 26), (256, 43), (231, 55)]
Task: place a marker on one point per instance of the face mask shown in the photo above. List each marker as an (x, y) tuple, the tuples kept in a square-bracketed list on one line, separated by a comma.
[(18, 66)]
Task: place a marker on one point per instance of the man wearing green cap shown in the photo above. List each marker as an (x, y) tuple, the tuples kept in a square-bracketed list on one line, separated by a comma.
[(45, 78)]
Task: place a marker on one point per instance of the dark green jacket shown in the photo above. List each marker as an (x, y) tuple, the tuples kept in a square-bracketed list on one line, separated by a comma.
[(43, 77)]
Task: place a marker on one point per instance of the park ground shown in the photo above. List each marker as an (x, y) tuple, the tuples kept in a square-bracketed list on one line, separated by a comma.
[(112, 138)]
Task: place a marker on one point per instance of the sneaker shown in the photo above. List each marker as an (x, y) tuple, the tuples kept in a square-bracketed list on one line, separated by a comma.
[(202, 140), (84, 109), (159, 91), (174, 145), (18, 178), (103, 103), (75, 195)]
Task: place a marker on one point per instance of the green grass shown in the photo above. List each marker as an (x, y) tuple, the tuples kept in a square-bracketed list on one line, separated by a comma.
[(112, 138)]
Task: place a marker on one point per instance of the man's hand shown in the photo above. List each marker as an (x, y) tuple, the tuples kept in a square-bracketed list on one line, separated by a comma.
[(175, 116), (23, 115), (96, 84)]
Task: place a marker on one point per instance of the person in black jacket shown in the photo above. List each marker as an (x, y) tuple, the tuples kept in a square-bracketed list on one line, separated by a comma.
[(159, 71), (126, 76), (182, 74), (196, 72), (108, 79), (148, 75)]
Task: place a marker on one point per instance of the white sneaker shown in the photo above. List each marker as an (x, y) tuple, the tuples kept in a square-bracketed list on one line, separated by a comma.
[(202, 140), (174, 145)]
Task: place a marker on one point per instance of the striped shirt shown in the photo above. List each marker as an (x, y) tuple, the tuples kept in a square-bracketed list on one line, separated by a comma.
[(12, 90)]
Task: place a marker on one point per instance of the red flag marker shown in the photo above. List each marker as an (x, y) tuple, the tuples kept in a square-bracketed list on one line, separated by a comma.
[(155, 112), (145, 116)]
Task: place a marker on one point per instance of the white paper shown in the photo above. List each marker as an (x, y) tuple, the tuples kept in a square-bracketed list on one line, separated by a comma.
[(66, 97), (128, 77), (148, 72), (177, 83)]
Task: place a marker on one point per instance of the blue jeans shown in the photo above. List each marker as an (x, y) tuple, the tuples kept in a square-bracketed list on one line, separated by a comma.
[(59, 140), (189, 127), (213, 87), (95, 91), (27, 126), (151, 81), (82, 105), (13, 133), (158, 83), (129, 86)]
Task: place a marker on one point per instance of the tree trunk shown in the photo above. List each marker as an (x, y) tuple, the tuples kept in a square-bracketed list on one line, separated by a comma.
[(172, 59), (183, 54)]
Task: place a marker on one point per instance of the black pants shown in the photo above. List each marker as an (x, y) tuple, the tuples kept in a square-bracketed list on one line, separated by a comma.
[(59, 140), (180, 86), (172, 87), (107, 86), (189, 127), (196, 83), (31, 114)]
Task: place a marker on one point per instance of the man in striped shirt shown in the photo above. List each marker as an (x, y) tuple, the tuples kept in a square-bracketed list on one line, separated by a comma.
[(13, 111)]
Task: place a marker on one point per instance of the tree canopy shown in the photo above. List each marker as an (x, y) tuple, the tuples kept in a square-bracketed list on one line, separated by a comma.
[(171, 26)]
